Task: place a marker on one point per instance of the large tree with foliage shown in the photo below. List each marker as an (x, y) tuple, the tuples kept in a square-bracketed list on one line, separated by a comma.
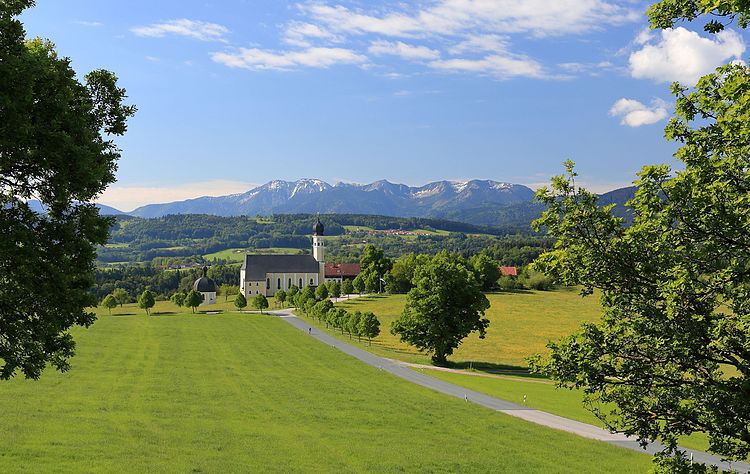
[(109, 302), (486, 271), (445, 305), (671, 355), (146, 301), (260, 302), (55, 146), (121, 296), (193, 299)]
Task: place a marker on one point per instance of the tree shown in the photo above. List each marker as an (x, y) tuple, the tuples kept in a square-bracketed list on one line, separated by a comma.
[(359, 283), (178, 299), (374, 258), (369, 326), (672, 348), (334, 289), (292, 292), (260, 302), (146, 301), (321, 310), (109, 302), (193, 299), (486, 271), (308, 292), (371, 280), (445, 305), (226, 290), (352, 324), (347, 288), (321, 293), (400, 276), (240, 302), (280, 297), (121, 296), (56, 146)]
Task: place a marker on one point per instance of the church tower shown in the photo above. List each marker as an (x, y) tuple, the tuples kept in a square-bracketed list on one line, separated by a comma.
[(319, 249)]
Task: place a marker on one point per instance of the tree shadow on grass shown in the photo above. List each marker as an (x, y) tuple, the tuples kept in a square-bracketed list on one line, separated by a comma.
[(122, 314), (493, 368)]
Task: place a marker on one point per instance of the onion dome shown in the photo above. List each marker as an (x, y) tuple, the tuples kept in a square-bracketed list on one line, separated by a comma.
[(205, 284), (318, 227)]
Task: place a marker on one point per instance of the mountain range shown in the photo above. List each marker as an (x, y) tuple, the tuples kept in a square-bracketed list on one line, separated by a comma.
[(483, 202), (437, 200)]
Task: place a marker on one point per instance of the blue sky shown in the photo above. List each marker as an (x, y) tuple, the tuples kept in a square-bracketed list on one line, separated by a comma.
[(240, 92)]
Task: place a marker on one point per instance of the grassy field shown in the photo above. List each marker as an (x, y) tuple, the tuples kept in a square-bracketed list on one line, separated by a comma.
[(239, 393), (521, 324), (167, 308), (238, 255)]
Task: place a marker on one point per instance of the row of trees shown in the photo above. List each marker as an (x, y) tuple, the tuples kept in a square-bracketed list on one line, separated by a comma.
[(354, 324)]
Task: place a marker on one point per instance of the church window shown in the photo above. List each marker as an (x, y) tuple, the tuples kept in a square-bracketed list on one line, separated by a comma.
[(268, 283), (278, 283), (300, 282), (290, 283), (311, 281)]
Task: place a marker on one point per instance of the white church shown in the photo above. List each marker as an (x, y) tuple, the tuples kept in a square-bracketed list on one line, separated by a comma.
[(266, 274)]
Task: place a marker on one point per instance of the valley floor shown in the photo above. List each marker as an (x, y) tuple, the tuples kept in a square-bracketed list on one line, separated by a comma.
[(240, 392)]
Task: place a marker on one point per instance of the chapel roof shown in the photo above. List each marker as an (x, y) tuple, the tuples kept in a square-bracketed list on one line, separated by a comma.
[(257, 266)]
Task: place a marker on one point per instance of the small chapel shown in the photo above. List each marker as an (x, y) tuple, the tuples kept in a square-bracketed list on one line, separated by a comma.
[(266, 274)]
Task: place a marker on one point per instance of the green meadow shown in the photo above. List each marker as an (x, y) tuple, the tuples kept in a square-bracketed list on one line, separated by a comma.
[(238, 255), (249, 393), (521, 324)]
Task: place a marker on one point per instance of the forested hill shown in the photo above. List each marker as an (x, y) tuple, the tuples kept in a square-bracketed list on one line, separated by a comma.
[(187, 238)]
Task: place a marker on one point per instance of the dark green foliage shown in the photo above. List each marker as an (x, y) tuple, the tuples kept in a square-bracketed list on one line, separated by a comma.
[(352, 324), (280, 297), (240, 302), (193, 299), (486, 271), (369, 326), (109, 302), (146, 301), (179, 299), (260, 302), (321, 292), (672, 352), (136, 278), (347, 288), (399, 278), (121, 296), (55, 146), (359, 283), (445, 305), (666, 13)]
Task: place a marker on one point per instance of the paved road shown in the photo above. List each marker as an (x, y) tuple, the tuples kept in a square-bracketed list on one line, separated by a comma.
[(513, 409)]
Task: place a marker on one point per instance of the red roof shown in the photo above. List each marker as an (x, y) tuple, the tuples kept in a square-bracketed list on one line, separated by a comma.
[(508, 271), (339, 270)]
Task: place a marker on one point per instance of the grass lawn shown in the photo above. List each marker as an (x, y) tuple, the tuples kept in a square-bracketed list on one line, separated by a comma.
[(167, 308), (542, 395), (232, 392), (521, 324)]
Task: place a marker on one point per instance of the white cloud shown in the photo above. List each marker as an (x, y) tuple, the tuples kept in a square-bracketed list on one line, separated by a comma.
[(200, 30), (683, 55), (299, 33), (403, 50), (481, 43), (127, 198), (449, 17), (497, 66), (93, 24), (636, 114), (258, 59)]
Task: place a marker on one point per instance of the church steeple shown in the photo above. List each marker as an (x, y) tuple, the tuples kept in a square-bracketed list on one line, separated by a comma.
[(319, 248)]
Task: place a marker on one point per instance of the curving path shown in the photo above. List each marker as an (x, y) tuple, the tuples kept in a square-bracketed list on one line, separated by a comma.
[(519, 411)]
